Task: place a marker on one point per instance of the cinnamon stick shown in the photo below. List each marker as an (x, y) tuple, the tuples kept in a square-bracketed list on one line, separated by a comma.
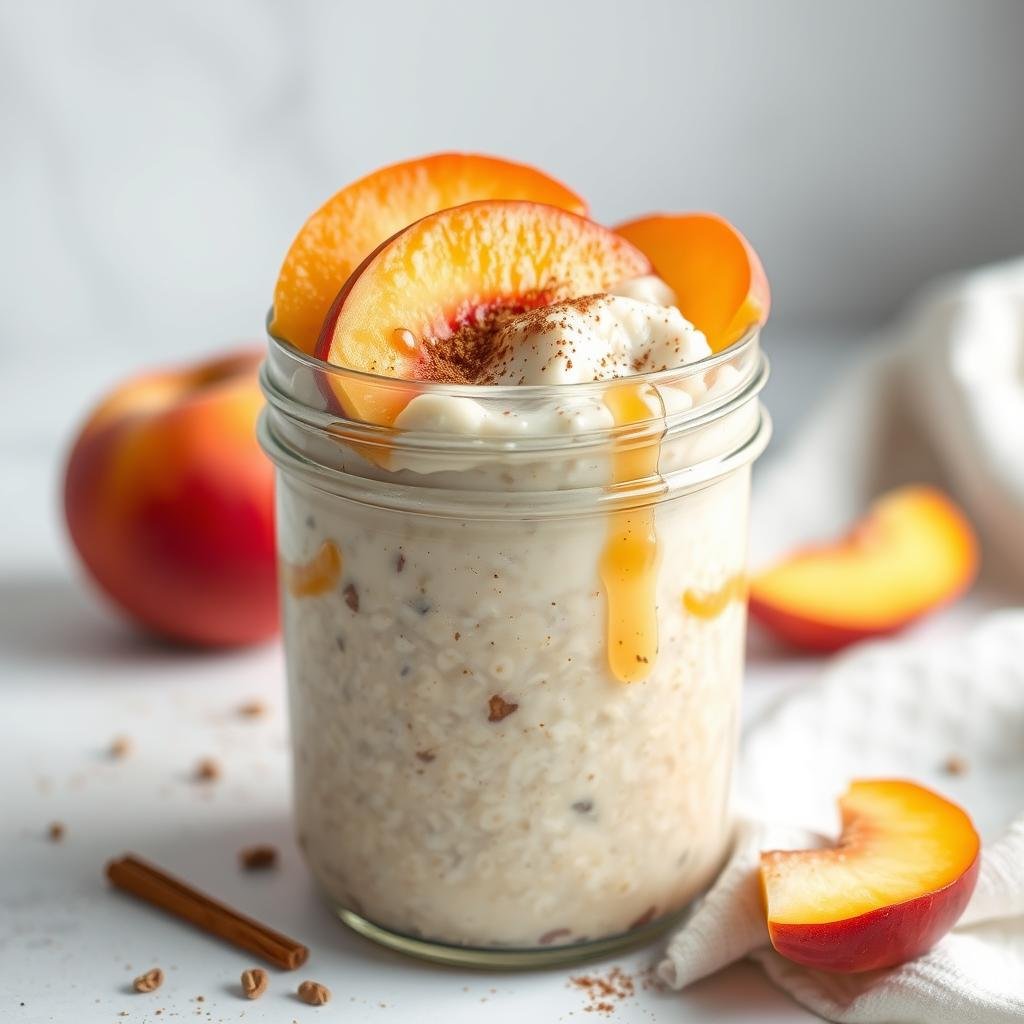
[(150, 883)]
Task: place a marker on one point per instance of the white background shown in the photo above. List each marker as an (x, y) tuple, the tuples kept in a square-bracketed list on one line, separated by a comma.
[(156, 160)]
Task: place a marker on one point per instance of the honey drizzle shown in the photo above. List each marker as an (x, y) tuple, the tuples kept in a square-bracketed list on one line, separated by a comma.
[(629, 562), (709, 604), (317, 576)]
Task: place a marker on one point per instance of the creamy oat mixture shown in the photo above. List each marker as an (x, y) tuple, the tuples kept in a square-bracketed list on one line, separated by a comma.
[(495, 744)]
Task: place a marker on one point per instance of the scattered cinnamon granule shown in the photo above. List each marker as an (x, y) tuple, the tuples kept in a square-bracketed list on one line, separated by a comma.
[(313, 993), (352, 597), (954, 765), (400, 562), (120, 747), (603, 991), (650, 980), (56, 832), (150, 981), (552, 936), (426, 756), (207, 770), (254, 982), (258, 858), (499, 708), (252, 709), (472, 352)]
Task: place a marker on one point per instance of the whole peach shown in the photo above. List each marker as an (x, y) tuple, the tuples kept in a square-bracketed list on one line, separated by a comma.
[(170, 503)]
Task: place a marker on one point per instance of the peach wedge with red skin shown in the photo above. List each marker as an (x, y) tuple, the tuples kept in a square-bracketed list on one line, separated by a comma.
[(401, 311), (899, 878), (719, 282), (170, 503), (912, 552), (354, 221)]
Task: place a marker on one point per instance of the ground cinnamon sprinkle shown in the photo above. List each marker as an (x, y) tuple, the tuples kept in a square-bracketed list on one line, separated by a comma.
[(499, 708), (604, 991), (120, 747), (258, 858), (252, 709), (56, 831), (207, 770), (352, 597), (650, 980), (470, 352)]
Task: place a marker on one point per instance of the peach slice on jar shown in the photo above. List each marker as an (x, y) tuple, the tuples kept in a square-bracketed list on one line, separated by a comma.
[(424, 305), (911, 553), (720, 285), (897, 880), (354, 221)]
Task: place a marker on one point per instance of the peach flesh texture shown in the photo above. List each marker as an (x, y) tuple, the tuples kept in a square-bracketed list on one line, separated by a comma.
[(450, 269), (170, 503), (719, 282), (354, 221), (913, 552), (899, 878)]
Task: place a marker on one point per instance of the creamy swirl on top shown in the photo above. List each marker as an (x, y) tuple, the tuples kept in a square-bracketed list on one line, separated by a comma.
[(632, 329), (596, 337)]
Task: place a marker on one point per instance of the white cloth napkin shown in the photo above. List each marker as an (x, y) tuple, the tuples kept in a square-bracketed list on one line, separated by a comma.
[(941, 398), (888, 709)]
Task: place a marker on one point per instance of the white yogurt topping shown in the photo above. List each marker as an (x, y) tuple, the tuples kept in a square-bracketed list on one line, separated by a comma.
[(648, 288), (635, 328), (598, 337)]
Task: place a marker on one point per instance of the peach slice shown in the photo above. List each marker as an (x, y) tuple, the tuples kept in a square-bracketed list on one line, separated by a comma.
[(913, 551), (357, 219), (718, 279), (898, 879), (424, 305)]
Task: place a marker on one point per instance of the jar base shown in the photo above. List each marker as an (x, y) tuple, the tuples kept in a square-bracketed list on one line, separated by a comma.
[(503, 958)]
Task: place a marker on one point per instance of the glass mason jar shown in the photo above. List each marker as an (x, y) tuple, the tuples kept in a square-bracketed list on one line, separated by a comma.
[(514, 640)]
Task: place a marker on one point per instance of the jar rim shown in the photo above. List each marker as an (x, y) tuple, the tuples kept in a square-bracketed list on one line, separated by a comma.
[(448, 472), (445, 502), (518, 392)]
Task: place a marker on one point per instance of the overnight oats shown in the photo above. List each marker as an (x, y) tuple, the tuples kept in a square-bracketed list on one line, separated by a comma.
[(514, 454)]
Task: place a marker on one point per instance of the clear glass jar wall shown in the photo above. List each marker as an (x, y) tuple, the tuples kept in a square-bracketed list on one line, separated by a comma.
[(514, 653)]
